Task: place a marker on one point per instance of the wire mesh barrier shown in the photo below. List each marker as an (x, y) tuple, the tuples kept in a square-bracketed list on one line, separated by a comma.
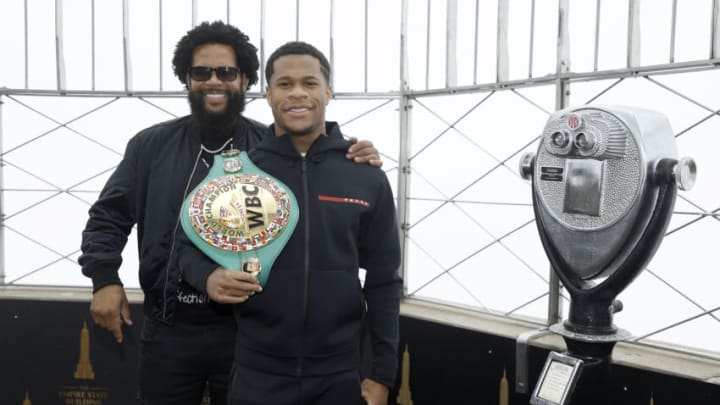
[(451, 92)]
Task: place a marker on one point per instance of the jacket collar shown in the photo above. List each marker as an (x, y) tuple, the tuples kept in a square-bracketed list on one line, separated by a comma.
[(283, 145)]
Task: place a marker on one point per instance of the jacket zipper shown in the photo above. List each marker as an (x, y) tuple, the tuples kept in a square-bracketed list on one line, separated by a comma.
[(174, 236), (306, 201)]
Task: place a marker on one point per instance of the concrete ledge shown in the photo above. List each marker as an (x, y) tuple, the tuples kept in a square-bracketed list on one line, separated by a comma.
[(652, 356), (51, 293)]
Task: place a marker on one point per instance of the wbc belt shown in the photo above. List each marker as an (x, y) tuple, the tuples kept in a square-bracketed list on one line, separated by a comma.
[(240, 216)]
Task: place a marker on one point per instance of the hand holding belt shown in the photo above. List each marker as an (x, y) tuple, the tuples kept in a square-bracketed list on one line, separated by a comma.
[(240, 216)]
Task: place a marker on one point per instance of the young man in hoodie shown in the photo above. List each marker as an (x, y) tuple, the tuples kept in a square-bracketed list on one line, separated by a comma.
[(187, 340), (299, 337)]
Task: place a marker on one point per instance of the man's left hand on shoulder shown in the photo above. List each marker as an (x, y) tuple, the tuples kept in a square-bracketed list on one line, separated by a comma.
[(374, 392), (364, 152)]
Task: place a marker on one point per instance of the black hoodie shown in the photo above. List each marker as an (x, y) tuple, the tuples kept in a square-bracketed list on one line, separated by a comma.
[(307, 319)]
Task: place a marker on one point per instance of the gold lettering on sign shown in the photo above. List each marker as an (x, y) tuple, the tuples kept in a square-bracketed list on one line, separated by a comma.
[(84, 370), (83, 396)]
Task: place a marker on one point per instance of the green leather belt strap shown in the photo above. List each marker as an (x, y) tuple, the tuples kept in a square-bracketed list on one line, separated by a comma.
[(240, 216)]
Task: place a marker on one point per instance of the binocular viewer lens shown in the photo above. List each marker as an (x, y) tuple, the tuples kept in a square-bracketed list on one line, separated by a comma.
[(604, 181)]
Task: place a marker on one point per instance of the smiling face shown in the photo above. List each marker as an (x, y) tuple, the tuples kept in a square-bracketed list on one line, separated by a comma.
[(298, 94), (214, 99)]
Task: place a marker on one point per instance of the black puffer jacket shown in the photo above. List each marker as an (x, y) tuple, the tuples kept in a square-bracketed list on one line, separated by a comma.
[(147, 189)]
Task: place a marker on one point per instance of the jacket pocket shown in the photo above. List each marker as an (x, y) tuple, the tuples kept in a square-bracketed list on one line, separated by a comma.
[(336, 306)]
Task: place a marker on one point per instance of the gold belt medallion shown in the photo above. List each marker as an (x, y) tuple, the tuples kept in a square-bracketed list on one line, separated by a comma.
[(239, 212)]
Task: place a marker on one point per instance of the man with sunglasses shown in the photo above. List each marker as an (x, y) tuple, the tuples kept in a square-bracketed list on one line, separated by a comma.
[(187, 339)]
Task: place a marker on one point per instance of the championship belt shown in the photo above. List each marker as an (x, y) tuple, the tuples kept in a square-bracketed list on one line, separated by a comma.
[(240, 216)]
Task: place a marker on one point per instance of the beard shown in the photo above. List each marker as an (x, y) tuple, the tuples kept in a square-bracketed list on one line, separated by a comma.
[(212, 119)]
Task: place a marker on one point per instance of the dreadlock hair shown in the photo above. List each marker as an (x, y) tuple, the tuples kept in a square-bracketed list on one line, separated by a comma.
[(297, 48), (216, 32)]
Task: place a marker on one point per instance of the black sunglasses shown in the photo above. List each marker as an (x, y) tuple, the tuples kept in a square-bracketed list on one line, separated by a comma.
[(204, 73)]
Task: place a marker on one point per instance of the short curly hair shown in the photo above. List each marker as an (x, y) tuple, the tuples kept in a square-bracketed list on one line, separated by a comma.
[(216, 32), (297, 48)]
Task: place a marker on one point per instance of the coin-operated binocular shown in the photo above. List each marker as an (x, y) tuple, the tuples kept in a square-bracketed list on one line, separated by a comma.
[(604, 182)]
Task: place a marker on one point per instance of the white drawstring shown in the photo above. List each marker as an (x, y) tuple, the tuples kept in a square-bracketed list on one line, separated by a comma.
[(177, 223)]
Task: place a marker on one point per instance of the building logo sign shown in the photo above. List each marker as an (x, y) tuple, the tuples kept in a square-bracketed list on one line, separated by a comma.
[(83, 392)]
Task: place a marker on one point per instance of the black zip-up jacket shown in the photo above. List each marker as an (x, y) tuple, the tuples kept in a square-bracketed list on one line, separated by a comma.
[(307, 319), (147, 189)]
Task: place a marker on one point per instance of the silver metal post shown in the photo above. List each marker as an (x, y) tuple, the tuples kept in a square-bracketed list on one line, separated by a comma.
[(59, 53), (403, 189), (27, 61), (262, 46), (194, 13), (522, 349), (451, 44), (532, 38), (554, 314), (633, 49), (562, 100), (2, 201), (92, 45), (160, 45), (366, 58), (597, 35), (332, 38), (297, 20), (673, 30), (715, 40), (475, 48), (502, 62), (562, 95), (126, 45), (427, 46)]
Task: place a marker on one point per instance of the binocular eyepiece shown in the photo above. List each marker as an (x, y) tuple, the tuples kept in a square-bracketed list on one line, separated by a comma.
[(604, 186)]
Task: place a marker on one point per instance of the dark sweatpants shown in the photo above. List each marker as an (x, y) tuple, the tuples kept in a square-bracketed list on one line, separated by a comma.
[(177, 362), (252, 387)]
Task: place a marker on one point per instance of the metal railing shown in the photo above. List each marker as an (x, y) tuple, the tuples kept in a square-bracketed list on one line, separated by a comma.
[(419, 57)]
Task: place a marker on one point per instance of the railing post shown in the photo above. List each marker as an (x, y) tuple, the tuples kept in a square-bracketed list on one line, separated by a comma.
[(403, 188), (2, 200)]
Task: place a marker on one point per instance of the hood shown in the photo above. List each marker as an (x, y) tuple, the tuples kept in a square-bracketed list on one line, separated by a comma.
[(283, 145)]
